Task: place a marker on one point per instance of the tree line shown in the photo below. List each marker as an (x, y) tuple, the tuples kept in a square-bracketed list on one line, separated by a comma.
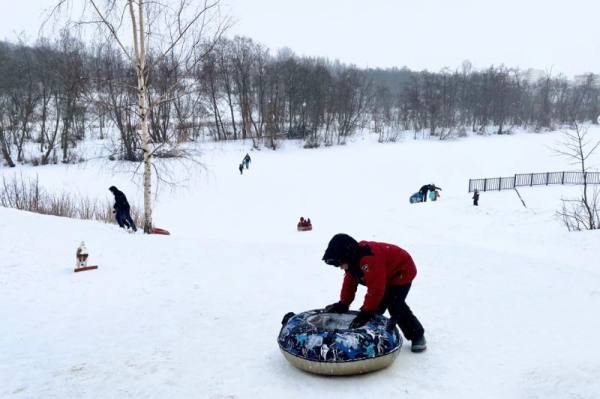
[(55, 92)]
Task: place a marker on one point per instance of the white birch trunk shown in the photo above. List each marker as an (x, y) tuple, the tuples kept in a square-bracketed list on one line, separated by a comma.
[(140, 59)]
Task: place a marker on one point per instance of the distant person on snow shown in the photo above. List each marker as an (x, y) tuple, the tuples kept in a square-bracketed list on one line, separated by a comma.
[(387, 271), (247, 161), (476, 198), (304, 223), (122, 209), (427, 187), (434, 195), (241, 168)]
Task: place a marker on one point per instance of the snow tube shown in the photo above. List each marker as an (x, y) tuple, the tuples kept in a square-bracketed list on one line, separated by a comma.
[(416, 197), (307, 227), (157, 230), (321, 343)]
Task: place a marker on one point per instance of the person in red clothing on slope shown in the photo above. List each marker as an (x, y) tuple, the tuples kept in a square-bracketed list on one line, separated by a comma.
[(388, 271)]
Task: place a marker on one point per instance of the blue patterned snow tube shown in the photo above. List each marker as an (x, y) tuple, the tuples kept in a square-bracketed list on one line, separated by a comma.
[(321, 343), (416, 197)]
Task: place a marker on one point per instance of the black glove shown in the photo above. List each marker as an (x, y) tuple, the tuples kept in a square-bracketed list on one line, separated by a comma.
[(361, 319), (337, 307)]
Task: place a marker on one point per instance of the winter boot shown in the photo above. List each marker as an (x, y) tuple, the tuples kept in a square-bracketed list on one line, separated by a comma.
[(418, 344)]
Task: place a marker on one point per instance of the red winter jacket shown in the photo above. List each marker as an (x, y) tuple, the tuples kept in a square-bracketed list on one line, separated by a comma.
[(389, 265)]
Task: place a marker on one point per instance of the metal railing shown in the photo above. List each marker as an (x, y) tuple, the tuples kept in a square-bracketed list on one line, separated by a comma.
[(533, 179)]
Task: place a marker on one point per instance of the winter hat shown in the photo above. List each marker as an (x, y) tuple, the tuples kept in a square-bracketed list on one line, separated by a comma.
[(112, 188), (341, 248)]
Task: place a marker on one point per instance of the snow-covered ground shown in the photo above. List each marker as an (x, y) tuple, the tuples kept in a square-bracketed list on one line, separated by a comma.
[(508, 297)]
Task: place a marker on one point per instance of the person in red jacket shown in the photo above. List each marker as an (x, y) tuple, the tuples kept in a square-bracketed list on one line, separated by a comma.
[(388, 271)]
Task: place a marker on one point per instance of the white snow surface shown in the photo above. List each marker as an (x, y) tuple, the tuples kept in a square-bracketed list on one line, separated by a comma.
[(508, 297)]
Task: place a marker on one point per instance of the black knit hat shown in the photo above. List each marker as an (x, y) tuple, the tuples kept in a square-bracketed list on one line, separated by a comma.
[(341, 249)]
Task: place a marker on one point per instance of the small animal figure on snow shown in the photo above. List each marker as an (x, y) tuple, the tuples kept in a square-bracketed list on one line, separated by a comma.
[(82, 255), (304, 224)]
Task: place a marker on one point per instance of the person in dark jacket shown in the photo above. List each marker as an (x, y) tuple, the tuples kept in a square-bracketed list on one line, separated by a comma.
[(476, 198), (428, 187), (241, 168), (247, 160), (387, 271), (122, 209)]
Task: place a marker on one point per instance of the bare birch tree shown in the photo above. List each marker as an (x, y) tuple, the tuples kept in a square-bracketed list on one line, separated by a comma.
[(150, 31), (582, 213)]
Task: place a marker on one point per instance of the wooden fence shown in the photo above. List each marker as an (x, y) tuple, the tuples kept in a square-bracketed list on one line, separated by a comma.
[(533, 179)]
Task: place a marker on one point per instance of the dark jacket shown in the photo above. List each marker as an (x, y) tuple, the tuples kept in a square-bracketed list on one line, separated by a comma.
[(429, 187), (120, 200)]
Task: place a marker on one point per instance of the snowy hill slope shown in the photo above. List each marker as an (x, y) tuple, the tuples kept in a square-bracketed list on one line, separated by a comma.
[(507, 296)]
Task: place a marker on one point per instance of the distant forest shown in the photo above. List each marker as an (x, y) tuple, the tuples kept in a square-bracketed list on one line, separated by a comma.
[(54, 93)]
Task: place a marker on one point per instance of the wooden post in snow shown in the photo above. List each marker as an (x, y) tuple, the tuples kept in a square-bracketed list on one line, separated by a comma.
[(521, 198)]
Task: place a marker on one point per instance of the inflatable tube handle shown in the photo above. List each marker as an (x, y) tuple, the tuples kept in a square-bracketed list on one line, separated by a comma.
[(287, 316)]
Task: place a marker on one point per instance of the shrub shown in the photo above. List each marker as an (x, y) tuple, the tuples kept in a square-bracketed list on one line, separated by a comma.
[(27, 195)]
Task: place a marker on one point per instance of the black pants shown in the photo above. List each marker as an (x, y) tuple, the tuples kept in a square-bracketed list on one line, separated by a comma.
[(424, 195), (124, 219), (394, 302)]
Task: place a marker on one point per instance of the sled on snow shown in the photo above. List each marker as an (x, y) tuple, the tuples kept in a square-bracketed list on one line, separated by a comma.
[(157, 230), (82, 269), (304, 224), (305, 227), (416, 197)]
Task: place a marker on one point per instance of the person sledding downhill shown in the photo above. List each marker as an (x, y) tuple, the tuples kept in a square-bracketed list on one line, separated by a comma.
[(304, 224), (387, 271)]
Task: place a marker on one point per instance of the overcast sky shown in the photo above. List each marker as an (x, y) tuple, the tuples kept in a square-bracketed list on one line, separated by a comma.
[(558, 36)]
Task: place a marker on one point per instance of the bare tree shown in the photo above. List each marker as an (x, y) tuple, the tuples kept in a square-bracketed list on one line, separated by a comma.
[(23, 97), (173, 28), (582, 213), (353, 92), (225, 70), (207, 75), (4, 146), (4, 86), (114, 93)]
